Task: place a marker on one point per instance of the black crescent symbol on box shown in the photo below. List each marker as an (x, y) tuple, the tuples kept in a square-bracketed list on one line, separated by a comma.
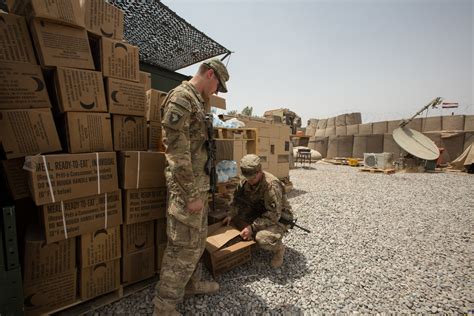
[(39, 83), (100, 231), (101, 265), (138, 246), (105, 33), (27, 301), (87, 106), (117, 45), (130, 118), (113, 95)]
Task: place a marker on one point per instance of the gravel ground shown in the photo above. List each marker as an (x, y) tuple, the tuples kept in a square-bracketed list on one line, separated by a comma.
[(379, 243)]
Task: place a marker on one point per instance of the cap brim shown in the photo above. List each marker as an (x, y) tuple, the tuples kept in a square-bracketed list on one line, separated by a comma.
[(222, 87)]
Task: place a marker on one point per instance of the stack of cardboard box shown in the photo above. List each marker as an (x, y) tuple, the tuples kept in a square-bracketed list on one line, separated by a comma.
[(85, 102)]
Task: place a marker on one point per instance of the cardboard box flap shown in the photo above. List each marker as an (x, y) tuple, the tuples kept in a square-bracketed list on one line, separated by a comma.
[(233, 248), (220, 237)]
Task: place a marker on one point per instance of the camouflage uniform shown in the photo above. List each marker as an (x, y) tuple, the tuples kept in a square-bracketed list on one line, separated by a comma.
[(261, 206), (185, 136)]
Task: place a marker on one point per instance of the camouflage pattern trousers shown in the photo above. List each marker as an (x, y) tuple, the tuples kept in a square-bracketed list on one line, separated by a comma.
[(180, 260), (270, 237)]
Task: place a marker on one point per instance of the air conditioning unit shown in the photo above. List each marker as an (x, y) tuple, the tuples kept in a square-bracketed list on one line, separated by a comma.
[(378, 160)]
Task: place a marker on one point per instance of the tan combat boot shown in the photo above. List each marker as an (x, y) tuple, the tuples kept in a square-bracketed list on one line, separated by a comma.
[(162, 309), (201, 287), (277, 259)]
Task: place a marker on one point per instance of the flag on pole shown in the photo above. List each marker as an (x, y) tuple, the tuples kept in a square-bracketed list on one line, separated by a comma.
[(449, 105)]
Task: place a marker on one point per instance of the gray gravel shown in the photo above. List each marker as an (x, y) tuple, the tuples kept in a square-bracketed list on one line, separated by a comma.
[(380, 243)]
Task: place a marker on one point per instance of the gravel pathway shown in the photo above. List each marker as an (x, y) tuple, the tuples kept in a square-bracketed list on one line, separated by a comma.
[(380, 243)]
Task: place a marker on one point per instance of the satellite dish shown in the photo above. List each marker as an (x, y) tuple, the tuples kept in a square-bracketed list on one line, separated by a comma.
[(415, 143)]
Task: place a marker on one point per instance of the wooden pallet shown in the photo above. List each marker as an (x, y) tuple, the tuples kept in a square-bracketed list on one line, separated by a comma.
[(373, 170), (83, 307)]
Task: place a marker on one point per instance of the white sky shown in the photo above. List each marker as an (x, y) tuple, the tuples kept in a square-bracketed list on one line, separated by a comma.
[(384, 58)]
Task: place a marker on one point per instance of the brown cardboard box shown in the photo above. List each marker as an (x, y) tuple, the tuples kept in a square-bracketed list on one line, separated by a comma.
[(71, 176), (23, 87), (103, 19), (15, 40), (230, 149), (88, 132), (365, 129), (66, 12), (154, 100), (453, 123), (130, 132), (50, 293), (43, 260), (80, 90), (138, 265), (142, 205), (137, 237), (141, 169), (15, 178), (99, 279), (119, 60), (100, 246), (469, 123), (431, 124), (145, 79), (60, 45), (217, 102), (379, 127), (155, 137), (126, 97), (160, 251), (220, 259), (82, 216), (28, 132), (160, 231)]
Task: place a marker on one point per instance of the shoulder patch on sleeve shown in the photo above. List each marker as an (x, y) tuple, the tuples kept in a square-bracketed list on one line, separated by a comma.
[(181, 102)]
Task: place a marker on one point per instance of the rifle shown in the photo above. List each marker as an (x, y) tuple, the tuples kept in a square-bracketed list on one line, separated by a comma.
[(211, 159), (285, 218)]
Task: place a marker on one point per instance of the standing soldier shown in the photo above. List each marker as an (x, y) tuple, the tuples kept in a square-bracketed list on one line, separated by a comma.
[(184, 135), (260, 206)]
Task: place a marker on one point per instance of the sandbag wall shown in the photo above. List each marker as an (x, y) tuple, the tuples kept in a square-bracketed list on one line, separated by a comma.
[(80, 152), (330, 138)]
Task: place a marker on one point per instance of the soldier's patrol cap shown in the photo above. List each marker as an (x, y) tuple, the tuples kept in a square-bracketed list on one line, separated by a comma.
[(221, 72), (250, 165)]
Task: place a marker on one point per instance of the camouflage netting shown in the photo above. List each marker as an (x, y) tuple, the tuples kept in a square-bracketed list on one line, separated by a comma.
[(165, 39)]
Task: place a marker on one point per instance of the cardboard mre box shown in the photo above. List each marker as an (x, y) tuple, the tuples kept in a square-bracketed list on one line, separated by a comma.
[(217, 102), (142, 205), (42, 260), (130, 132), (139, 170), (23, 87), (66, 12), (81, 216), (50, 293), (125, 97), (103, 19), (145, 79), (138, 236), (70, 176), (28, 132), (155, 137), (138, 265), (119, 60), (154, 100), (14, 178), (220, 258), (88, 132), (60, 45), (99, 279), (100, 246), (15, 40), (80, 90)]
